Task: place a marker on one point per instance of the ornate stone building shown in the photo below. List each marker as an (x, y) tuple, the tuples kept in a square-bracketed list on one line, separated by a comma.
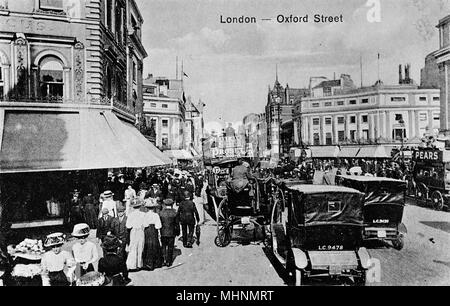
[(71, 52)]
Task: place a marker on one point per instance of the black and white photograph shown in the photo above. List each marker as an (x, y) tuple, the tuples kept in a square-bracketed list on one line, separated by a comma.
[(242, 144)]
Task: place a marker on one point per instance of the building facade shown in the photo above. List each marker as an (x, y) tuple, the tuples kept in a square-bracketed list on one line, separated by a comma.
[(443, 61), (377, 114), (165, 111)]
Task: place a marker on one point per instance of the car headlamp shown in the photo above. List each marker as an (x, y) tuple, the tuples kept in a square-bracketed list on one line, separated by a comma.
[(364, 257), (301, 260)]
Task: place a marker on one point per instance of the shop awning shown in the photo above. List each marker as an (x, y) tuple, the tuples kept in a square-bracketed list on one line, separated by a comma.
[(374, 152), (178, 155), (348, 152), (324, 151), (64, 141)]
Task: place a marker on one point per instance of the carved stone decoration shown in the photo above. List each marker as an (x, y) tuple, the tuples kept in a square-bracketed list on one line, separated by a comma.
[(21, 67), (79, 63)]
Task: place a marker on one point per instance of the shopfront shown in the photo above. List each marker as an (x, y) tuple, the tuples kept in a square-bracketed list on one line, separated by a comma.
[(45, 156)]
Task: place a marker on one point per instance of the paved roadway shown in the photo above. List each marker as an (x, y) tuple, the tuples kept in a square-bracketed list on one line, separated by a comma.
[(425, 259)]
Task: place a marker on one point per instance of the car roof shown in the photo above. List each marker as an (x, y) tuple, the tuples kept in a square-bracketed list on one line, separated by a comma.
[(311, 189), (370, 178)]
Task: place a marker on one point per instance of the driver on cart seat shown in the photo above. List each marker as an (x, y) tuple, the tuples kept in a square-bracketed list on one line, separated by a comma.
[(240, 176)]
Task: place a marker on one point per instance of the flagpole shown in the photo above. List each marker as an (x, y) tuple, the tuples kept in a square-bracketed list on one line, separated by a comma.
[(182, 75)]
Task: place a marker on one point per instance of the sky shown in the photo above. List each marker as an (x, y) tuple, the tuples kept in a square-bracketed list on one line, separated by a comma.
[(230, 66)]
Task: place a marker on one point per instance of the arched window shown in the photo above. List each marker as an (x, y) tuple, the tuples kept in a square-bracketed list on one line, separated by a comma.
[(51, 78)]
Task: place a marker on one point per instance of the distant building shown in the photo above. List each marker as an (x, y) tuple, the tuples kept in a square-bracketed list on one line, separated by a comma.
[(165, 111), (429, 75), (376, 114)]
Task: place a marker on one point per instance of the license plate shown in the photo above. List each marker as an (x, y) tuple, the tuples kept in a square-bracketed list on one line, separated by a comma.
[(335, 270), (381, 234), (245, 220)]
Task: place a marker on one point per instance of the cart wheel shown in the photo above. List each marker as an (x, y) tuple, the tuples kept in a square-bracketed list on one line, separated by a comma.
[(223, 238), (437, 200), (398, 244)]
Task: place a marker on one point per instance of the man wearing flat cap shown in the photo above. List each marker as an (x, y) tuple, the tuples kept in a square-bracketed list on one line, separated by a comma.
[(169, 230)]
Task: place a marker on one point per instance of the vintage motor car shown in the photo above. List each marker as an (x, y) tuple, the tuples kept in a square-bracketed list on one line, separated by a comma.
[(383, 207), (317, 233)]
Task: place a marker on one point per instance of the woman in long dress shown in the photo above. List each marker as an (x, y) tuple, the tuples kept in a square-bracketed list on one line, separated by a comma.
[(136, 223), (153, 257)]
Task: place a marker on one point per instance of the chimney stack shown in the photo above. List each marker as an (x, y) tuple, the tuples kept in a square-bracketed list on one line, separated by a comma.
[(400, 74)]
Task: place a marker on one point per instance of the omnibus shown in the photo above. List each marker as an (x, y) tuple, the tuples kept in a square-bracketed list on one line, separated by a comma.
[(431, 176)]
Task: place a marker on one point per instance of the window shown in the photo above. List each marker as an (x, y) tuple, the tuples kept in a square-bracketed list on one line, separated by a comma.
[(352, 102), (153, 122), (316, 139), (134, 72), (365, 134), (316, 105), (329, 139), (152, 104), (365, 101), (165, 141), (119, 23), (150, 90), (423, 117), (165, 106), (399, 134), (398, 117), (365, 118), (423, 99), (316, 121), (436, 116), (51, 82), (165, 123), (352, 135), (341, 135), (328, 121), (55, 5), (327, 91), (340, 120), (328, 104), (352, 119), (436, 99), (340, 103), (108, 13), (398, 99)]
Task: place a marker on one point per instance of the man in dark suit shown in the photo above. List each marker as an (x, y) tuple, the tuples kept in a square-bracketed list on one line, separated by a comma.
[(112, 265), (188, 216), (169, 230), (104, 224), (119, 229)]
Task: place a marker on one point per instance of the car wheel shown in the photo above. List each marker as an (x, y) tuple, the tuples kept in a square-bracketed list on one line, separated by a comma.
[(360, 280), (398, 244), (437, 200)]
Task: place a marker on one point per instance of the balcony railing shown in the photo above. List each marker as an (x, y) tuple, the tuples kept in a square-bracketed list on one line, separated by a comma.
[(61, 100)]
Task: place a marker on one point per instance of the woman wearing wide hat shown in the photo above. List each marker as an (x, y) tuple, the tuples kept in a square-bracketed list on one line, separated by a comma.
[(84, 252), (152, 247), (136, 223), (112, 265), (55, 261)]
